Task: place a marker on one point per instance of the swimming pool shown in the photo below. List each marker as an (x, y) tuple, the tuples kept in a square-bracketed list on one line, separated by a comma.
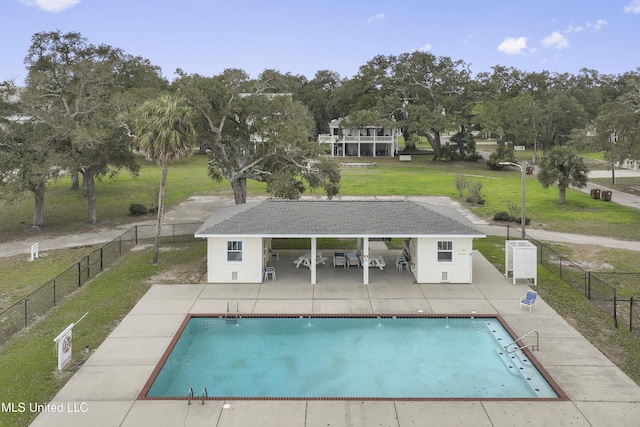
[(334, 357)]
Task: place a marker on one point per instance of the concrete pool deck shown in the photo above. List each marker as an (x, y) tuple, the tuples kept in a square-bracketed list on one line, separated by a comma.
[(104, 391)]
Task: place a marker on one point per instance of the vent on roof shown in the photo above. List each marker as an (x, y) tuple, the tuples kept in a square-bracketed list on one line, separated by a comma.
[(445, 276), (234, 275)]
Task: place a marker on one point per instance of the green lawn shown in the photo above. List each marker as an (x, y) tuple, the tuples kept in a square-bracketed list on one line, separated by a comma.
[(66, 211), (20, 277), (107, 299)]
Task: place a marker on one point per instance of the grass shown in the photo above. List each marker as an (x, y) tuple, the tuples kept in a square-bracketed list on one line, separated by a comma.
[(581, 214), (108, 298), (65, 210), (20, 277)]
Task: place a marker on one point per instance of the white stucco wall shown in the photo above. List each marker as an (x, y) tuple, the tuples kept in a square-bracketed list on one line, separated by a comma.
[(249, 270), (430, 270)]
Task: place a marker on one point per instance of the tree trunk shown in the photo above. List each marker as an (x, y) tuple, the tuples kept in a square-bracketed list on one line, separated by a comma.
[(434, 140), (562, 196), (85, 191), (38, 210), (75, 181), (89, 181), (163, 183), (239, 187)]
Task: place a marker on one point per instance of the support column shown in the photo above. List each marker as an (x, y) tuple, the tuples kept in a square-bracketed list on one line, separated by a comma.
[(313, 261), (365, 261)]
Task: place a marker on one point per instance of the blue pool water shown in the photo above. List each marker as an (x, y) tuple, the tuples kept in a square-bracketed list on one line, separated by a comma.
[(348, 358)]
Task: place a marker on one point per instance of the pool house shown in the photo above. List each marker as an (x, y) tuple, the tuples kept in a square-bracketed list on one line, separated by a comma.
[(436, 242)]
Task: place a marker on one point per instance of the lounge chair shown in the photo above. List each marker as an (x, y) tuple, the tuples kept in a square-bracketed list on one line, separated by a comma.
[(352, 259), (529, 300), (339, 259)]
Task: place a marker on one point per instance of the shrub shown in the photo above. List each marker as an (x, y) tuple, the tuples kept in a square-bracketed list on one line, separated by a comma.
[(475, 192), (136, 209), (505, 216), (477, 201), (502, 216), (461, 183)]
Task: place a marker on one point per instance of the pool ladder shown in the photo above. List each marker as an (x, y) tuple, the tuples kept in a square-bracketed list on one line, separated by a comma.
[(231, 317), (535, 346), (203, 396)]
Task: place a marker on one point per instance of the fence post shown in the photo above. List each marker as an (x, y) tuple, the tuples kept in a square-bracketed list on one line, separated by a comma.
[(54, 291), (136, 233), (560, 266), (79, 273), (173, 231), (631, 314), (589, 285), (508, 229), (120, 245), (25, 312), (101, 259), (615, 308)]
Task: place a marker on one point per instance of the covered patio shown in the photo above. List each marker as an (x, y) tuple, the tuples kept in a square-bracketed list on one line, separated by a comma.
[(437, 241)]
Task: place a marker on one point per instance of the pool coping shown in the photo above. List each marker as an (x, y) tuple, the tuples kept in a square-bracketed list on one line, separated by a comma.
[(562, 396)]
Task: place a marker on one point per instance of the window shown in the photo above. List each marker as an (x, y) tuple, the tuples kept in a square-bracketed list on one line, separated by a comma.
[(445, 251), (234, 251)]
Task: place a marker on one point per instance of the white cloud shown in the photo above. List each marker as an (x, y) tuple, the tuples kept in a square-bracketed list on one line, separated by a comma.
[(601, 23), (513, 46), (556, 41), (51, 5), (378, 17), (426, 48), (633, 7), (572, 29)]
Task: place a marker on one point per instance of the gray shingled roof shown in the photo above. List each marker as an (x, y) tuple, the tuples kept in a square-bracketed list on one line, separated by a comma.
[(302, 218)]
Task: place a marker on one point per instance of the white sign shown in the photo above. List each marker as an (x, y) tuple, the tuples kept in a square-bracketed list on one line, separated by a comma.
[(64, 343), (64, 346), (34, 252), (518, 147)]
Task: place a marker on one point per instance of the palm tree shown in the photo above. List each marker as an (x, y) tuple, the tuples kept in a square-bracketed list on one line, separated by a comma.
[(164, 133), (565, 167)]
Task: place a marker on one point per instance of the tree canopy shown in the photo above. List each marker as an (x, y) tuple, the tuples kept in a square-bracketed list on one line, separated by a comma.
[(252, 131), (78, 90), (564, 167)]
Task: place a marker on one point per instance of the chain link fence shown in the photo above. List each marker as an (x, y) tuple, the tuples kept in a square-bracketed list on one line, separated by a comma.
[(35, 305), (612, 292)]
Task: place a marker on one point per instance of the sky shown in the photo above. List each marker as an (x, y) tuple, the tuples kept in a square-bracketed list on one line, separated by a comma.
[(302, 37)]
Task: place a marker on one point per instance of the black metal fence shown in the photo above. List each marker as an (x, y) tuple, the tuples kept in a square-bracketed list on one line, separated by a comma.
[(612, 292), (35, 305)]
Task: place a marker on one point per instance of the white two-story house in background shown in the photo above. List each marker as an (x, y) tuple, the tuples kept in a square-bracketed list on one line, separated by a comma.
[(366, 141)]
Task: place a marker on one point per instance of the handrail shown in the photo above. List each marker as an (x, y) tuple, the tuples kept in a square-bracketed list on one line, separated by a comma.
[(535, 346), (231, 318), (204, 394), (189, 396)]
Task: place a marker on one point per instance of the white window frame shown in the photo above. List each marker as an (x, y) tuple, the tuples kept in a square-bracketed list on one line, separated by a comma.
[(444, 247), (234, 247)]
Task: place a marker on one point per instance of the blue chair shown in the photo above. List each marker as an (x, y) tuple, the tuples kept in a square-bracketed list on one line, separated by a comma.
[(529, 300)]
